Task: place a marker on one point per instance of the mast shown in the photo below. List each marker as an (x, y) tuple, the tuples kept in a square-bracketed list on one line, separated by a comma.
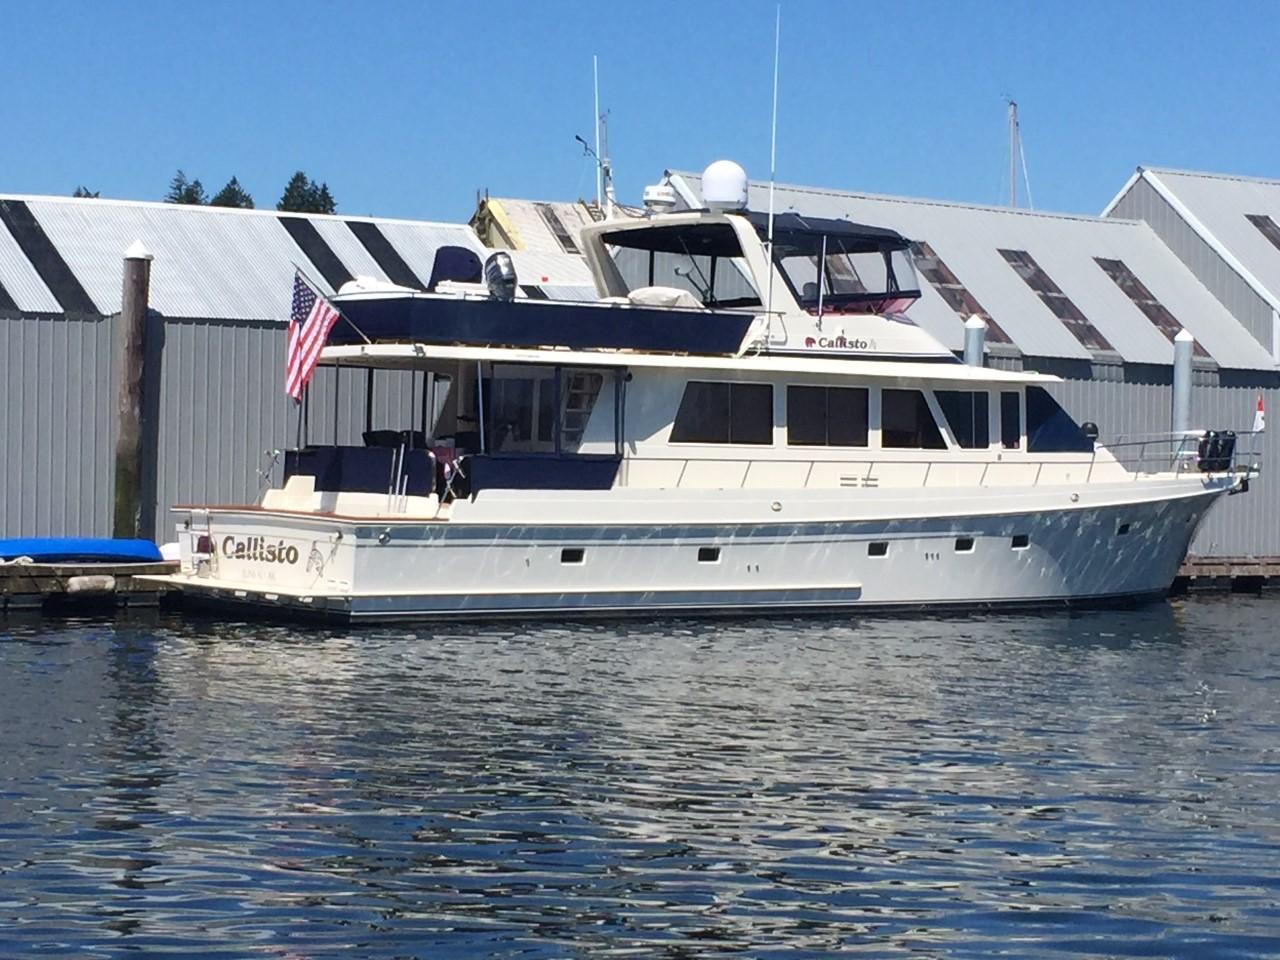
[(1017, 156)]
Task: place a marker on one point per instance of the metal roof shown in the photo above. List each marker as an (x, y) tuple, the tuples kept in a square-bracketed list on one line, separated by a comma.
[(218, 263), (1218, 206), (968, 239), (529, 219)]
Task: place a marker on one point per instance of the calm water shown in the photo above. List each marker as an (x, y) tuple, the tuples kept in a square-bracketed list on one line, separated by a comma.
[(1103, 784)]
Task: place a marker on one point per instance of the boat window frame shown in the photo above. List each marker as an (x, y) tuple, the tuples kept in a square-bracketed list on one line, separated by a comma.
[(983, 424), (772, 424), (931, 405), (827, 444), (1020, 439)]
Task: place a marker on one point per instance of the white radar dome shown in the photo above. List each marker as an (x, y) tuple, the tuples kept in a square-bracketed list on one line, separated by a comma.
[(724, 186)]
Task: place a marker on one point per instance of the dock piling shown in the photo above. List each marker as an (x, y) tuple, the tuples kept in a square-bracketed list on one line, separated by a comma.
[(127, 513)]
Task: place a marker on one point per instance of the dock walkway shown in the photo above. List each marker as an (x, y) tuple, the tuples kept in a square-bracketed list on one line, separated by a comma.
[(35, 586)]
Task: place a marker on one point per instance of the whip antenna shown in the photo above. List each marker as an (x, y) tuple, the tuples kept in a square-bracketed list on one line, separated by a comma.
[(595, 85), (773, 166)]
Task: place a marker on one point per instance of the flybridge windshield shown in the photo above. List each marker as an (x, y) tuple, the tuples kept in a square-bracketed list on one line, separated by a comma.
[(838, 274), (838, 266)]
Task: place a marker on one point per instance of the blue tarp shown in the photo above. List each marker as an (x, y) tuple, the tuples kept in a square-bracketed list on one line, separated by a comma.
[(80, 550)]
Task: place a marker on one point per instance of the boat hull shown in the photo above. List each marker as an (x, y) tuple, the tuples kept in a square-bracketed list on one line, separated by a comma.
[(370, 571)]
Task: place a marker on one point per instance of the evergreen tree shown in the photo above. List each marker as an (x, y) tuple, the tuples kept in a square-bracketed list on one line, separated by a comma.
[(296, 194), (182, 190), (85, 193), (303, 195), (324, 202), (232, 195)]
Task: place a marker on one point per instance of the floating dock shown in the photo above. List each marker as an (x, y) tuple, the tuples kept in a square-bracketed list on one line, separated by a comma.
[(1227, 574), (53, 586)]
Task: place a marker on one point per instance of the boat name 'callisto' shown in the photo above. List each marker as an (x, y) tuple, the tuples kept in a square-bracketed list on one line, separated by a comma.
[(839, 343), (256, 548)]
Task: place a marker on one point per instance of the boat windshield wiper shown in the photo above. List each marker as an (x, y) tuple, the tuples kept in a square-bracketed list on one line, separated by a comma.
[(704, 288)]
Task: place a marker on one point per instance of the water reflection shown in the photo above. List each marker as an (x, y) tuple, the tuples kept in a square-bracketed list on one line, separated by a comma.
[(1066, 784)]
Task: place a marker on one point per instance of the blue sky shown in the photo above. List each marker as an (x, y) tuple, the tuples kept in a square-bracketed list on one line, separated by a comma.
[(407, 109)]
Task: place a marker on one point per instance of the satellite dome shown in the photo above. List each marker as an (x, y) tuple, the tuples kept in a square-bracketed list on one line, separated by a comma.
[(724, 186)]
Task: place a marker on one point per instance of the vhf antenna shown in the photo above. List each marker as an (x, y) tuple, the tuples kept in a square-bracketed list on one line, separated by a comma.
[(604, 170), (773, 166)]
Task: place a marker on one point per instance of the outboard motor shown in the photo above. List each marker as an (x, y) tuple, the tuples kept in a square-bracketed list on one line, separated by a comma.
[(1207, 451), (500, 275)]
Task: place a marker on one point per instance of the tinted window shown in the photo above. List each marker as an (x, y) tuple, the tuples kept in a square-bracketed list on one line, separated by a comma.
[(724, 413), (827, 416), (1010, 421), (966, 413), (750, 413), (906, 421), (1050, 429)]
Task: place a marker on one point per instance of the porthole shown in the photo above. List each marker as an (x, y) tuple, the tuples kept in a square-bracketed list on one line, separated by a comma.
[(1020, 541), (1122, 529), (572, 555), (878, 548), (964, 544), (708, 554)]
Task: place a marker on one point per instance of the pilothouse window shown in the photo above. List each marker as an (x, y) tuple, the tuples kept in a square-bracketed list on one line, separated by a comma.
[(967, 416), (1010, 420), (907, 422), (827, 416), (724, 413)]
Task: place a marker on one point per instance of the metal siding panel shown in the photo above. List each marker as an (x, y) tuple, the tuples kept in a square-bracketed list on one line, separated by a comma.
[(221, 420), (54, 455)]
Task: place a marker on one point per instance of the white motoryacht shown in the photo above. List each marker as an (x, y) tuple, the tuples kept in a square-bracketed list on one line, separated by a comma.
[(738, 424)]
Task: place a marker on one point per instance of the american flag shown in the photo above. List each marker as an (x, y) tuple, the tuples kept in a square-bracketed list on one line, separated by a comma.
[(309, 324)]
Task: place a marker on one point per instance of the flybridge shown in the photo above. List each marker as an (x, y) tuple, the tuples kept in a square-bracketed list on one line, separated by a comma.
[(706, 282)]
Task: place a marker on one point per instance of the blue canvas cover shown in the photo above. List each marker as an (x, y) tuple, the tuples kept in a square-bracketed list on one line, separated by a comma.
[(80, 550)]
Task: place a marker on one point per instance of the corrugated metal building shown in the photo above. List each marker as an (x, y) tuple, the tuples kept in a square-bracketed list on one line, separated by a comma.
[(1095, 300), (1225, 229), (220, 288)]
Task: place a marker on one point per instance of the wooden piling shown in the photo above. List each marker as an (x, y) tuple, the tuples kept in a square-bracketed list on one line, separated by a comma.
[(127, 517)]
